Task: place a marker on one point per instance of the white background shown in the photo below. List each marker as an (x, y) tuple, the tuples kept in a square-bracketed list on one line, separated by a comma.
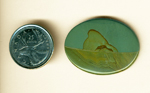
[(59, 75)]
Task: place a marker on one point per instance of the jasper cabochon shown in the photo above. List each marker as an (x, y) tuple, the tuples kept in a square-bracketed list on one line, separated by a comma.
[(98, 56)]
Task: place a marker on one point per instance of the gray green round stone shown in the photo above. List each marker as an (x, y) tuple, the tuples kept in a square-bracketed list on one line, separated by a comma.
[(102, 46)]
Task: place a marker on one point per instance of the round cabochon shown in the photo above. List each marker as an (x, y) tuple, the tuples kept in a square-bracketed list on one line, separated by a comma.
[(102, 46)]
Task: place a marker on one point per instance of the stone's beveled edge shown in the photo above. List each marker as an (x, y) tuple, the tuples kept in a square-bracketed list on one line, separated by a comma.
[(51, 43)]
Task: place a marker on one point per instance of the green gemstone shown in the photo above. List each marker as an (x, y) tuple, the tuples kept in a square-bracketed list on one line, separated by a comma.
[(102, 46)]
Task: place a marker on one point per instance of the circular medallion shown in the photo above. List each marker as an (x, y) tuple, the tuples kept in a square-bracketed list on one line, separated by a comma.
[(102, 46), (31, 46)]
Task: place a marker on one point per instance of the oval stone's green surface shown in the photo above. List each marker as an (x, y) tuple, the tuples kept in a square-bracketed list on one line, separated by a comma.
[(102, 46)]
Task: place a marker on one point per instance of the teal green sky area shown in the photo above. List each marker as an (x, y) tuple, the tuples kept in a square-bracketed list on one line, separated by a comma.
[(115, 32)]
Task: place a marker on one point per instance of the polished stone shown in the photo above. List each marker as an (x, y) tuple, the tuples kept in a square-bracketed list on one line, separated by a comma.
[(102, 46)]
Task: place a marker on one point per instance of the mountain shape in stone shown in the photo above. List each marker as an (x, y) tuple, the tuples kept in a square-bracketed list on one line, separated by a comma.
[(97, 42)]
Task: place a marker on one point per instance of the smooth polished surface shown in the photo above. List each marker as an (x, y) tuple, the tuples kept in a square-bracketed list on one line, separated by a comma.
[(31, 46), (102, 46)]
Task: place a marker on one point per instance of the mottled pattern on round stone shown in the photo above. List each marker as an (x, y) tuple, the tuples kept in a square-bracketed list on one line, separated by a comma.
[(31, 46)]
